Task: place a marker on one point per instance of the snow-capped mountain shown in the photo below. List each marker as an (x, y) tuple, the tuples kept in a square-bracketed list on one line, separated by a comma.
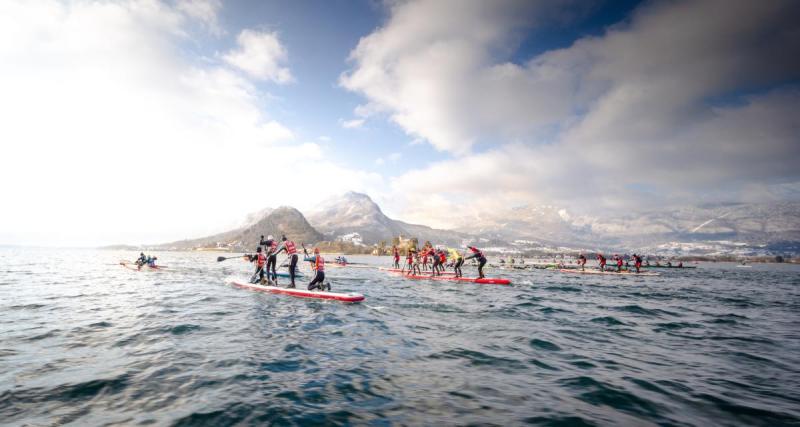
[(714, 228), (357, 213)]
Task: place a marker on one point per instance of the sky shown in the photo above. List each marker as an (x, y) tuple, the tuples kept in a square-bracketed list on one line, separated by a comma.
[(143, 121)]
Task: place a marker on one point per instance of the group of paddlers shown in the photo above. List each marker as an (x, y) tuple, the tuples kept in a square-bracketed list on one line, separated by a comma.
[(437, 260)]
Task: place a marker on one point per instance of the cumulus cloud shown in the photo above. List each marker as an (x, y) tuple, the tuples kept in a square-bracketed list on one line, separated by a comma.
[(681, 96), (260, 55), (112, 132)]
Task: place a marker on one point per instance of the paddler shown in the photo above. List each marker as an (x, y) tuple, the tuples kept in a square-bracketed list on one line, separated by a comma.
[(415, 266), (582, 261), (619, 263), (458, 261), (425, 251), (291, 250), (260, 261), (602, 260), (637, 262), (141, 260), (436, 261), (409, 259), (442, 261), (317, 265), (477, 254), (151, 262), (270, 245), (396, 255)]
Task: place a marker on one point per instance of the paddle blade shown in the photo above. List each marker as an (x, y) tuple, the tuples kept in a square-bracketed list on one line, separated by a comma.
[(221, 258)]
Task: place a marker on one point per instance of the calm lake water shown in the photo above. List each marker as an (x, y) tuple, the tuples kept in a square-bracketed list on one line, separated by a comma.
[(84, 341)]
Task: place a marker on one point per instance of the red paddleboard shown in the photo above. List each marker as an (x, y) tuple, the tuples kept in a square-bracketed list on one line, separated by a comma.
[(398, 270), (485, 281), (301, 293)]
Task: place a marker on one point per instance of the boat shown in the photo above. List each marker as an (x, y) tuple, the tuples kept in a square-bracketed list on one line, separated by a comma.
[(132, 266), (350, 297), (613, 273), (484, 281)]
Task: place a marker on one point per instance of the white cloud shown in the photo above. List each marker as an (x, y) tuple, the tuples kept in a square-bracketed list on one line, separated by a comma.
[(637, 105), (205, 11), (261, 55), (352, 124), (112, 133)]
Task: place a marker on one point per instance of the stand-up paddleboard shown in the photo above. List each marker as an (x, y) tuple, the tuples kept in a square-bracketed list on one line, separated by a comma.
[(286, 274), (132, 266), (399, 270), (612, 273), (484, 281), (300, 293)]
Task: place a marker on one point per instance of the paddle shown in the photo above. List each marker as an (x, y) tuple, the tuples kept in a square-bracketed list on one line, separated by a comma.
[(222, 258)]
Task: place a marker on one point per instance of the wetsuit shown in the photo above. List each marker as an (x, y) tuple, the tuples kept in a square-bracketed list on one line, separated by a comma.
[(260, 261), (582, 261), (637, 262), (291, 250), (269, 246), (141, 260), (435, 270), (459, 261), (477, 254), (318, 265)]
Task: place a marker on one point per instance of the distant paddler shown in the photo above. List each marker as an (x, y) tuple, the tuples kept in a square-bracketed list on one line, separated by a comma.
[(317, 265), (291, 250), (396, 255), (458, 260), (409, 259), (261, 260), (142, 260), (637, 262), (602, 260), (582, 261), (425, 252), (477, 254), (618, 259)]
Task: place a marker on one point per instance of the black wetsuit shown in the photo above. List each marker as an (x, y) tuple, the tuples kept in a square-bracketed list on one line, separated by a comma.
[(272, 259), (481, 261)]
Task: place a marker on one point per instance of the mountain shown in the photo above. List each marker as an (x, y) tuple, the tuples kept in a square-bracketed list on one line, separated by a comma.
[(284, 220), (709, 228), (355, 213)]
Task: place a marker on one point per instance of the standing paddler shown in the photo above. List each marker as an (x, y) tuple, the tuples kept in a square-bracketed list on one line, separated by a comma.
[(477, 254), (317, 265), (270, 245), (582, 261), (637, 262), (396, 255), (409, 260), (602, 260), (458, 261), (291, 250)]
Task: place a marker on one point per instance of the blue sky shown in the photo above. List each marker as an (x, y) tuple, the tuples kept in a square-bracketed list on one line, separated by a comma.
[(151, 120)]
